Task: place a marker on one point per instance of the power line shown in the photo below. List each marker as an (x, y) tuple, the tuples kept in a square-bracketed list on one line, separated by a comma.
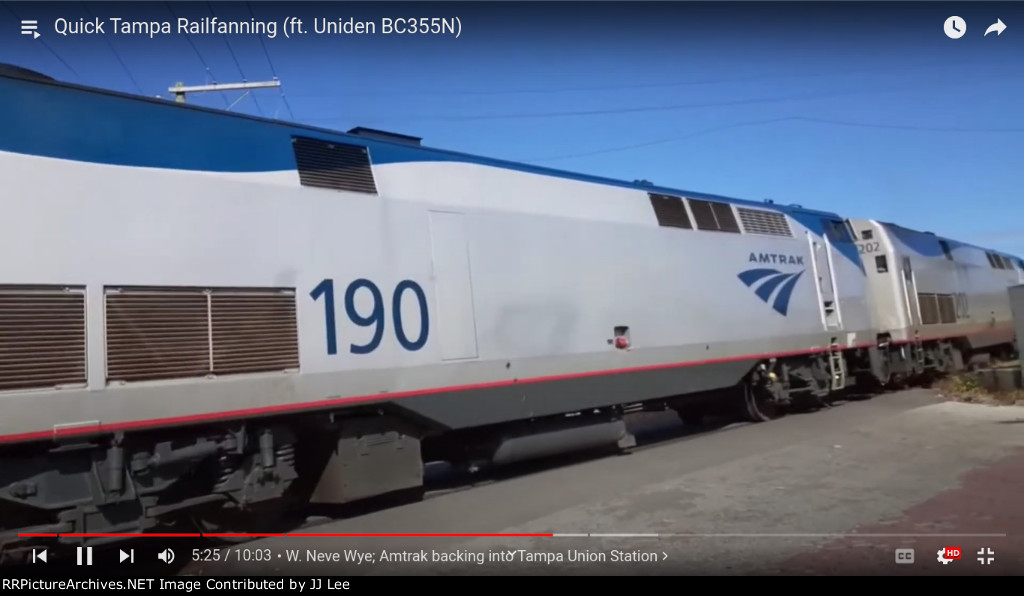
[(645, 109), (271, 63), (116, 54), (47, 46), (188, 38), (912, 127), (774, 121), (237, 63), (660, 141), (630, 86)]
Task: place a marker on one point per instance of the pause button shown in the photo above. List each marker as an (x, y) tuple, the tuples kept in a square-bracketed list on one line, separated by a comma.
[(84, 555)]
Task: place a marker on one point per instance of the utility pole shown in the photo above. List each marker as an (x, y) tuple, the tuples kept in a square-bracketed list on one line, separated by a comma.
[(180, 89)]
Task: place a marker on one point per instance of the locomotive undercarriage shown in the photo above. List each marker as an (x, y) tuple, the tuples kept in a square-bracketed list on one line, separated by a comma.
[(249, 478), (773, 388), (216, 481), (259, 477), (134, 483), (785, 385), (905, 364)]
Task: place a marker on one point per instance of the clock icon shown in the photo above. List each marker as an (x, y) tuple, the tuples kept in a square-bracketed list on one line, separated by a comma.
[(955, 27)]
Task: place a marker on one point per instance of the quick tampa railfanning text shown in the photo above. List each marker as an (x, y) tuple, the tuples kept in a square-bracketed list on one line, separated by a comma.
[(181, 26)]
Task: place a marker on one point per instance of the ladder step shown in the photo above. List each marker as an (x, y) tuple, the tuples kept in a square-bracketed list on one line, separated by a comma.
[(837, 367)]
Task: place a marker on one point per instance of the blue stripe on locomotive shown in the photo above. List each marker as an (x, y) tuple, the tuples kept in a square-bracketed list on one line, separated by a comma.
[(231, 143)]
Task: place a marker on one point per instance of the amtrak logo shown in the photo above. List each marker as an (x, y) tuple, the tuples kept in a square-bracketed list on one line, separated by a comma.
[(771, 258), (776, 287)]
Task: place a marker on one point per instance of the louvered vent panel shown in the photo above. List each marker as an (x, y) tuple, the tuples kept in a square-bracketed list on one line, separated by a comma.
[(725, 217), (929, 309), (769, 223), (254, 332), (157, 334), (333, 165), (42, 337), (166, 333), (947, 308), (703, 215), (670, 211)]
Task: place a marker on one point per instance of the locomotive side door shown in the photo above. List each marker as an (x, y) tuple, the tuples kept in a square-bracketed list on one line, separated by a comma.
[(453, 286)]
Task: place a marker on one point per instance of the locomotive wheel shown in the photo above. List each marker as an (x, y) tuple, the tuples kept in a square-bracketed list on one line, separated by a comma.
[(758, 406), (898, 382)]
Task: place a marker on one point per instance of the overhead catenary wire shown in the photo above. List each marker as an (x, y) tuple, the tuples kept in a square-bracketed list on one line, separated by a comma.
[(47, 46), (117, 55), (912, 126), (405, 92), (648, 109), (826, 121), (202, 60), (662, 141), (238, 64), (270, 62)]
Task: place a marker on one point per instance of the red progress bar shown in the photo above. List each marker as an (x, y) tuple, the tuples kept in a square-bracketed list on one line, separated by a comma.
[(130, 535), (241, 535), (423, 535), (278, 535)]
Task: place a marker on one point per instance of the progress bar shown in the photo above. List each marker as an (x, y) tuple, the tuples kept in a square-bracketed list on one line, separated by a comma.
[(289, 535), (846, 535), (506, 535)]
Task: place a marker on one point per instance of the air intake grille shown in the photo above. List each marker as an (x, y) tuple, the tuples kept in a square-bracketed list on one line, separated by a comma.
[(947, 308), (157, 335), (167, 333), (670, 211), (768, 223), (333, 165), (42, 337), (929, 309), (253, 332), (714, 216)]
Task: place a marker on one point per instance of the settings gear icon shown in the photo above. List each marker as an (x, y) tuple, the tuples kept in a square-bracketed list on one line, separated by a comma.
[(942, 559)]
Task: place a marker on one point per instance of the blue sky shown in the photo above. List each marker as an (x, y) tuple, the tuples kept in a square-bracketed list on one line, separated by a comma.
[(864, 109)]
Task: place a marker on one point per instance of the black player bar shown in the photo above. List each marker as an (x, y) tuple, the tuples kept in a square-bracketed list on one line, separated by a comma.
[(178, 584)]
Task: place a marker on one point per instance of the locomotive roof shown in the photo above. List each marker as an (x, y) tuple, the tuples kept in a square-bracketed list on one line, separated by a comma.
[(409, 143), (914, 237), (409, 148)]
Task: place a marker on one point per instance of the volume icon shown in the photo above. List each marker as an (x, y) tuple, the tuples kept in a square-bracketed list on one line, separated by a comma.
[(166, 555), (30, 28)]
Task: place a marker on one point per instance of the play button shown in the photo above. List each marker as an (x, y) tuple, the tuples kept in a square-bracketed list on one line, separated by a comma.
[(128, 556)]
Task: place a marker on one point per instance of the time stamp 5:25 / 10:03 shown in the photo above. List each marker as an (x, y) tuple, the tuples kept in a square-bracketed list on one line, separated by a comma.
[(214, 555)]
